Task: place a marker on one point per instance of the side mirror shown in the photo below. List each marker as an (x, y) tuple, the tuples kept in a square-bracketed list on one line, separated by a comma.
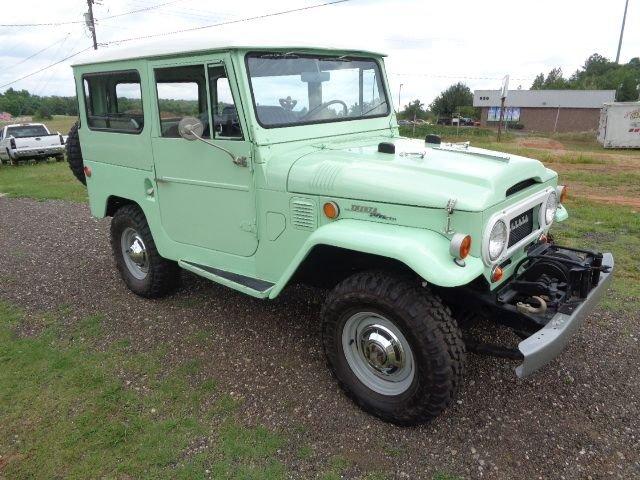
[(190, 128)]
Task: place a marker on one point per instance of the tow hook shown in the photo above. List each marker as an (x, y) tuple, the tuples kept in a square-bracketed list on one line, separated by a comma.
[(530, 309)]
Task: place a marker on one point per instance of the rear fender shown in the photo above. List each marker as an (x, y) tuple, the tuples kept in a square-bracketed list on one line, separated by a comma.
[(424, 251)]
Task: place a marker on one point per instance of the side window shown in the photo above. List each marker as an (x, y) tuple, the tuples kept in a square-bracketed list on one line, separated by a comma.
[(182, 92), (114, 102), (226, 122)]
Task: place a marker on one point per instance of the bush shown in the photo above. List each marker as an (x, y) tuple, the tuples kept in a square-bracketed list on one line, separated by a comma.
[(43, 113)]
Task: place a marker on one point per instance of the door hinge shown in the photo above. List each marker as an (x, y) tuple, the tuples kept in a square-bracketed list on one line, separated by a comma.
[(241, 161), (249, 226)]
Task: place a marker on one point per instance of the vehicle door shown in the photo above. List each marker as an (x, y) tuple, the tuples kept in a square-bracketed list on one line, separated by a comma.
[(206, 199)]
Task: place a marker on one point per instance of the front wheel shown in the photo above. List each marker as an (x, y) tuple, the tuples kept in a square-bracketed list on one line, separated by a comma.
[(141, 267), (393, 347)]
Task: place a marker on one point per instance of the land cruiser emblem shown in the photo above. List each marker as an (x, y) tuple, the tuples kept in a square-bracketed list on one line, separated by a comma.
[(372, 211), (517, 223)]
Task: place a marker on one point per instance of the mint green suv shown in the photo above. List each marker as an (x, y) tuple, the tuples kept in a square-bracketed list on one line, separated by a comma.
[(259, 167)]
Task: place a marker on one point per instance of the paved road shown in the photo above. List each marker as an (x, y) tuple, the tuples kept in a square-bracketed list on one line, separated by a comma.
[(579, 418)]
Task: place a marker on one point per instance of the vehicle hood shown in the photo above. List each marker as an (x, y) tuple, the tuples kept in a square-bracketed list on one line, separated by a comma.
[(415, 174)]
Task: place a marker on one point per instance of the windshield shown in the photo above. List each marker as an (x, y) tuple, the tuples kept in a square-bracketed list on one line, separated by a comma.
[(27, 131), (291, 89)]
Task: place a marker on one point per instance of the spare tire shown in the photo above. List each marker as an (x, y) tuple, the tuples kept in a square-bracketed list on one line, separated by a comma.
[(74, 154)]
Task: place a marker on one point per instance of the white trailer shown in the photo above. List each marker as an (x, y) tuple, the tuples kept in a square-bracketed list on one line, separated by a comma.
[(620, 125)]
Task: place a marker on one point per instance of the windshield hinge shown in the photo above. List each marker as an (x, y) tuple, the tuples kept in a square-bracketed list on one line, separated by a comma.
[(451, 204)]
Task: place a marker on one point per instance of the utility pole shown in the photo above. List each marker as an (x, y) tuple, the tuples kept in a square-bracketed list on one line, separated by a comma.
[(91, 24), (399, 92), (624, 18), (503, 97)]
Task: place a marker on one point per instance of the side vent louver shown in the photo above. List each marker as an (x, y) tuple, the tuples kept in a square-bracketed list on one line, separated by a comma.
[(303, 214)]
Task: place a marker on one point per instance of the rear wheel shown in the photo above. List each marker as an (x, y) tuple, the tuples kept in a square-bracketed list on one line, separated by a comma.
[(141, 267), (393, 347), (74, 154)]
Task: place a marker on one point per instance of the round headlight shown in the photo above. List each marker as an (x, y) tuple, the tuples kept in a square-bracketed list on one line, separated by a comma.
[(497, 240), (550, 208)]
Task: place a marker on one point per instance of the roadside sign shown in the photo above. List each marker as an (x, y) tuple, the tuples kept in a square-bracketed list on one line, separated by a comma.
[(505, 87)]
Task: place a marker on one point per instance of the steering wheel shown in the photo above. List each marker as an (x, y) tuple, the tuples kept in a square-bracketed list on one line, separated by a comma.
[(324, 105)]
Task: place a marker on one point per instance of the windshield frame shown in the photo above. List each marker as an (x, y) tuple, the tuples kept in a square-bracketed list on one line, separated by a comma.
[(383, 82)]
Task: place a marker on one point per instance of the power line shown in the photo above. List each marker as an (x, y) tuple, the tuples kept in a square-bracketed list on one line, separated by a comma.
[(151, 7), (70, 22), (460, 77), (37, 53), (228, 22), (47, 67), (48, 24)]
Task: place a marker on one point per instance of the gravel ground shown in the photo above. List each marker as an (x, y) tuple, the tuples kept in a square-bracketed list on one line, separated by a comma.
[(578, 418)]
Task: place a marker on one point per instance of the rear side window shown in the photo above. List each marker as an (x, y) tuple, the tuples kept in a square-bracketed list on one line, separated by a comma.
[(24, 131), (114, 102)]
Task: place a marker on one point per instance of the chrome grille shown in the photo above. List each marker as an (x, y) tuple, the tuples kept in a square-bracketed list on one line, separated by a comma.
[(520, 226)]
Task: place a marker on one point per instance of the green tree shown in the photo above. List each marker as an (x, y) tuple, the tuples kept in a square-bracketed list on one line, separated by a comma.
[(414, 109), (597, 73), (450, 101), (538, 82)]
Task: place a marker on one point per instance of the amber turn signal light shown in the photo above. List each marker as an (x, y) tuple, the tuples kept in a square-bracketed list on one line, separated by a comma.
[(87, 171), (496, 274), (563, 193), (460, 246), (331, 210)]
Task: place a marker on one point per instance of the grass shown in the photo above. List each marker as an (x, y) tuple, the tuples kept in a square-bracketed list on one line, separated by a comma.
[(449, 132), (610, 180), (42, 181), (608, 228), (65, 412)]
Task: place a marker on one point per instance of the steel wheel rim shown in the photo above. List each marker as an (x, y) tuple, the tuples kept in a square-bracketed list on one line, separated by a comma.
[(378, 353), (134, 252)]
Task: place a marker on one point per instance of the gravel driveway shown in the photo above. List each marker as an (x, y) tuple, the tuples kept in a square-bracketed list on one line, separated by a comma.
[(578, 418)]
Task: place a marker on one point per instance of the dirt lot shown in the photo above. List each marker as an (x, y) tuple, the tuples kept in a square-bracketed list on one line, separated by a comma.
[(578, 418)]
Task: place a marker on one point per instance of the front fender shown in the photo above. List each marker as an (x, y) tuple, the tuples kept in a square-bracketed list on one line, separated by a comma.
[(424, 251)]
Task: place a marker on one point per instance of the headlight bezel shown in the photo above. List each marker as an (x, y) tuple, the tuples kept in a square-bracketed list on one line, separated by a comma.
[(505, 242), (544, 220)]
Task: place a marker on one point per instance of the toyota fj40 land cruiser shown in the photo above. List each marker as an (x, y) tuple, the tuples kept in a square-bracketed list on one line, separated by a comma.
[(257, 167)]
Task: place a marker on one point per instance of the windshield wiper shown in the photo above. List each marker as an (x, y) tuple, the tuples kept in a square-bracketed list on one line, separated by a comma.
[(342, 58), (279, 55), (373, 108)]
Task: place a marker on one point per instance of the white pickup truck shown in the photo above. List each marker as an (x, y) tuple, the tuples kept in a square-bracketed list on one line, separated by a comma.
[(27, 141)]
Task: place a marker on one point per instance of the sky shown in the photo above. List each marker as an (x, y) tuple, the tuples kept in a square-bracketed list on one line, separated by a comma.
[(430, 45)]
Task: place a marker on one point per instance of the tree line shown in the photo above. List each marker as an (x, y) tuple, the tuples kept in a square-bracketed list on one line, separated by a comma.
[(597, 73), (21, 102)]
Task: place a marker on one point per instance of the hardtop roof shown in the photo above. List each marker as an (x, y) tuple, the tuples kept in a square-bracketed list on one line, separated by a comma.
[(174, 48)]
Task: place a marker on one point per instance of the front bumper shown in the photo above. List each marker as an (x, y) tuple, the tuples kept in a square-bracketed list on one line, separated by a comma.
[(36, 152), (547, 343)]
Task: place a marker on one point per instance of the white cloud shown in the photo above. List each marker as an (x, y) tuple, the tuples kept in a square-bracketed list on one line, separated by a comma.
[(430, 44)]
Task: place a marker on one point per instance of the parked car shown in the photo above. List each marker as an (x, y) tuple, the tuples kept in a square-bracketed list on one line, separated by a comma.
[(28, 141), (411, 239)]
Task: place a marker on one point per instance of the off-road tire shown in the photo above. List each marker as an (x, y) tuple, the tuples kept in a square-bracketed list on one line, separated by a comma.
[(74, 154), (59, 158), (163, 275), (427, 325)]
